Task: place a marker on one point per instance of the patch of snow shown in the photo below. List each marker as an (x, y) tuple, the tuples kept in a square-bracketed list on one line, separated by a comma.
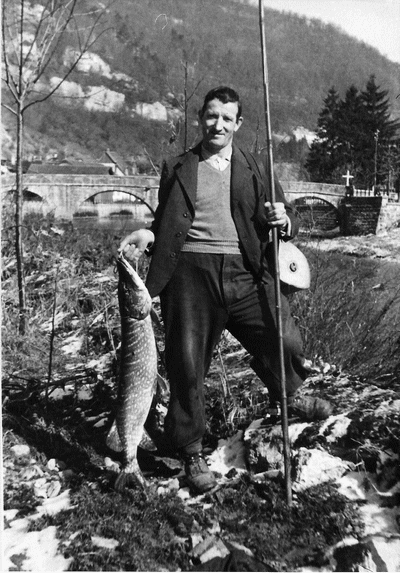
[(53, 505), (337, 427), (380, 522), (48, 325), (389, 551), (316, 467), (73, 344), (39, 547), (229, 454), (388, 406), (351, 486), (101, 364), (104, 542)]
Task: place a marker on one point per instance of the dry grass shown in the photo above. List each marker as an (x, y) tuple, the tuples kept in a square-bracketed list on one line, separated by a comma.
[(72, 296)]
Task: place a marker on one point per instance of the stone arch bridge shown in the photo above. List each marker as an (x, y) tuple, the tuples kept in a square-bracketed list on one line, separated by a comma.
[(324, 192), (64, 195), (317, 203)]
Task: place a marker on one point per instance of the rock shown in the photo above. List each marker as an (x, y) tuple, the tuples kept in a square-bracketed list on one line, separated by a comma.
[(21, 454), (210, 548), (241, 547), (264, 445), (52, 464), (20, 450), (53, 489), (111, 464), (359, 557), (31, 472), (154, 111), (40, 487), (236, 561), (67, 474)]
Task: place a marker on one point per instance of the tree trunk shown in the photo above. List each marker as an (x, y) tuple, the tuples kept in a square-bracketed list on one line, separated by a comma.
[(18, 225)]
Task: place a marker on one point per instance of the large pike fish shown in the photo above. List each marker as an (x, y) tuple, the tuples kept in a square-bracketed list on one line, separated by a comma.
[(138, 373)]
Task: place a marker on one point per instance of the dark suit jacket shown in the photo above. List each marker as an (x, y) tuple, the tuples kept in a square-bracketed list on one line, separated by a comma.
[(176, 210)]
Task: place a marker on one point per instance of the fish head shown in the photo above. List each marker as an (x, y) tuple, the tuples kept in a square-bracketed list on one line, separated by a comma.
[(134, 298)]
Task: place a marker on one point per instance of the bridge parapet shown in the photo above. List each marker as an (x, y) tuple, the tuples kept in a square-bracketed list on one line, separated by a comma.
[(325, 191), (63, 194), (304, 186), (109, 181)]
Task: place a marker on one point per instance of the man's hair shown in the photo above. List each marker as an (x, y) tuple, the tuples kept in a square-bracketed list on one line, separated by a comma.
[(225, 95)]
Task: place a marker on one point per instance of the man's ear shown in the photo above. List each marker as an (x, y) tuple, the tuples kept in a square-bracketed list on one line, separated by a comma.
[(238, 123)]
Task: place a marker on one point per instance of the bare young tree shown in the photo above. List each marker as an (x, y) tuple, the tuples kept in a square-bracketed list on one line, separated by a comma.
[(32, 36)]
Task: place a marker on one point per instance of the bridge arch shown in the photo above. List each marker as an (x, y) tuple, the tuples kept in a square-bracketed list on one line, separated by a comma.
[(63, 194), (317, 214), (109, 203)]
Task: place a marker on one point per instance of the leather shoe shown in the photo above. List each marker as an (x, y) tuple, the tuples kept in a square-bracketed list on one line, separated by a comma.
[(199, 477), (309, 408)]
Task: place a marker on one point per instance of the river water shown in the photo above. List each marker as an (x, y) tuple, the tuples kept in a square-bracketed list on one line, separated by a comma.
[(120, 224)]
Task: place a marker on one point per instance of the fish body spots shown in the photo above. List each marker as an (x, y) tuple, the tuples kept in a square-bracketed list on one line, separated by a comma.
[(138, 369)]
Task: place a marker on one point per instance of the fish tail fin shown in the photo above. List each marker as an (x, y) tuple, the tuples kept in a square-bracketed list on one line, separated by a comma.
[(113, 441), (147, 443), (129, 478)]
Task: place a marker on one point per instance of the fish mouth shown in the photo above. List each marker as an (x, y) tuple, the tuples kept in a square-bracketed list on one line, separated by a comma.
[(134, 297)]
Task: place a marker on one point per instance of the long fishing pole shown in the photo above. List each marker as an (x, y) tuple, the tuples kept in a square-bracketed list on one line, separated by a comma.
[(275, 241)]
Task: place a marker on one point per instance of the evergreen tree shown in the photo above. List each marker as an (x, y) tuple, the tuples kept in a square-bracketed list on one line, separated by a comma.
[(325, 149), (351, 120), (358, 134), (379, 133)]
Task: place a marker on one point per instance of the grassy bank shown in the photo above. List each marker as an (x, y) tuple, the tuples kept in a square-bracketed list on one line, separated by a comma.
[(59, 391), (349, 317)]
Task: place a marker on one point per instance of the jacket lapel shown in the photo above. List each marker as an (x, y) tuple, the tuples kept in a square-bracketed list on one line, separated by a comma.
[(186, 173), (241, 177)]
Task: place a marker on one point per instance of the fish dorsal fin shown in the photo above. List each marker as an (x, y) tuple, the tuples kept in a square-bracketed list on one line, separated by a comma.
[(113, 440), (146, 442)]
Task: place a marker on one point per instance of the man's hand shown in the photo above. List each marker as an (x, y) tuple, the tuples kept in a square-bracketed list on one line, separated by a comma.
[(276, 215), (134, 245)]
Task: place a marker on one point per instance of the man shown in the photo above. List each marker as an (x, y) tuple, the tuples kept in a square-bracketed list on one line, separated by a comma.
[(208, 244)]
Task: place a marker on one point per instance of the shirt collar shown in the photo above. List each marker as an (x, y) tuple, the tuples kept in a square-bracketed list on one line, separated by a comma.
[(224, 154)]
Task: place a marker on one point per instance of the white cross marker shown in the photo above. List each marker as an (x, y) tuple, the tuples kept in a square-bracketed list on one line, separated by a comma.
[(348, 177)]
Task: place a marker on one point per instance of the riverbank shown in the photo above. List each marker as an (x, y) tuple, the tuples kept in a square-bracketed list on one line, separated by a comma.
[(59, 392), (385, 246)]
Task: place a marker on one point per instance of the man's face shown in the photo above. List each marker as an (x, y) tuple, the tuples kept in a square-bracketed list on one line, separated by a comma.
[(219, 122)]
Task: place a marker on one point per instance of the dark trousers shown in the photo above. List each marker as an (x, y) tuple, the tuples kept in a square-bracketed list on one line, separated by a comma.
[(206, 294)]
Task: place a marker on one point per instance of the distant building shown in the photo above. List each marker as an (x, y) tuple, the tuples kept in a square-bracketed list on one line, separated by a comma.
[(114, 162)]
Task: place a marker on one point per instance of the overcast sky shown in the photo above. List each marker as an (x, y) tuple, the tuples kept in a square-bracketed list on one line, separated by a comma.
[(376, 22)]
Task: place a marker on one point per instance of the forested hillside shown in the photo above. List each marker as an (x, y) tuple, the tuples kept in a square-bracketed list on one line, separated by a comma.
[(218, 41)]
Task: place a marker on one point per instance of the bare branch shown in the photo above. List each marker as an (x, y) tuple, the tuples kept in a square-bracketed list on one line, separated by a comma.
[(66, 75), (9, 108)]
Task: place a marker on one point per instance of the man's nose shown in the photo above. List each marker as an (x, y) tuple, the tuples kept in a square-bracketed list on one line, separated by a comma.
[(219, 123)]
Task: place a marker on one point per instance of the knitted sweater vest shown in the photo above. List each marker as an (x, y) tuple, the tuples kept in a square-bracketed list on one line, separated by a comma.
[(213, 229)]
